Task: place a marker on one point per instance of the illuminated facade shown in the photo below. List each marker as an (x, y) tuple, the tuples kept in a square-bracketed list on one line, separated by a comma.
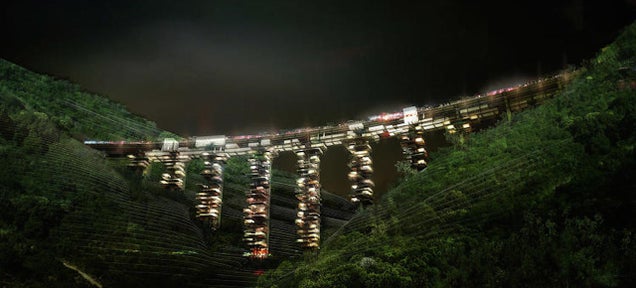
[(361, 171), (308, 195), (414, 148), (409, 125), (256, 215), (210, 196)]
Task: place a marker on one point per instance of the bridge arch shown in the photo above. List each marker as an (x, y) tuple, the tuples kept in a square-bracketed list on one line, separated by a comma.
[(409, 125)]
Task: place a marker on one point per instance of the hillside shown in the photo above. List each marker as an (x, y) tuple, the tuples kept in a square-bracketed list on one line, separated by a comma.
[(69, 217), (544, 200), (74, 111)]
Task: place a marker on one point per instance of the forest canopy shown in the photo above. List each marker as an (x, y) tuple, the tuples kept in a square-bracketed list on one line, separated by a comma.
[(544, 199)]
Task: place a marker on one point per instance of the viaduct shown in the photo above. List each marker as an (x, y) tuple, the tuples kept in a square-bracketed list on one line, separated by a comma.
[(409, 125)]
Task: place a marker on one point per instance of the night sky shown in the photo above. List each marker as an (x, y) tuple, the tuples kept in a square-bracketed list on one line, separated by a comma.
[(227, 67), (232, 67)]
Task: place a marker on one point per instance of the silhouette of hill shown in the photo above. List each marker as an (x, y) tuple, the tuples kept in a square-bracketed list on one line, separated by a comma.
[(69, 217)]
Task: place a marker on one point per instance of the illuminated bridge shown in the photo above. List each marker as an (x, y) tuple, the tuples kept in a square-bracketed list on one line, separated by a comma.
[(409, 125)]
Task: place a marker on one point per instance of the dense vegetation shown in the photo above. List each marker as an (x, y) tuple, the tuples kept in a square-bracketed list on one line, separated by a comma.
[(544, 200), (69, 217), (80, 114)]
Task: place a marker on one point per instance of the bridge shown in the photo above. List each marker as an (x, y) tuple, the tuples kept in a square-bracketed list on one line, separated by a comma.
[(409, 125)]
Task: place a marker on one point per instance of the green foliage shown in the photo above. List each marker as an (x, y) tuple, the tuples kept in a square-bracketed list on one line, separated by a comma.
[(236, 170), (404, 169), (65, 205), (544, 199), (82, 115)]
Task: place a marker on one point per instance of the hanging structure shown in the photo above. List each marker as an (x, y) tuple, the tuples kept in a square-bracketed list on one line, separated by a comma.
[(138, 162), (210, 196), (308, 195), (173, 178), (413, 148), (256, 214), (361, 171)]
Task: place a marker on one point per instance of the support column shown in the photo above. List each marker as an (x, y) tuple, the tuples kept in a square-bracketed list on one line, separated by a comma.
[(139, 162), (256, 221), (308, 194), (174, 177), (508, 112), (210, 197), (414, 148), (361, 171)]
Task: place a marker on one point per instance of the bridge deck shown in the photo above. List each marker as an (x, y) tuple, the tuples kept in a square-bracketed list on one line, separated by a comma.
[(454, 116)]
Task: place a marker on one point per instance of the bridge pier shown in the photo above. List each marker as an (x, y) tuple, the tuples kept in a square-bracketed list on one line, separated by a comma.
[(361, 171), (138, 162), (210, 196), (413, 148), (256, 215), (308, 195), (174, 177)]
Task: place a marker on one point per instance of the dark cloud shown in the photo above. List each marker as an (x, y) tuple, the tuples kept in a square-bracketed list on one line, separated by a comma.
[(233, 67), (213, 67)]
